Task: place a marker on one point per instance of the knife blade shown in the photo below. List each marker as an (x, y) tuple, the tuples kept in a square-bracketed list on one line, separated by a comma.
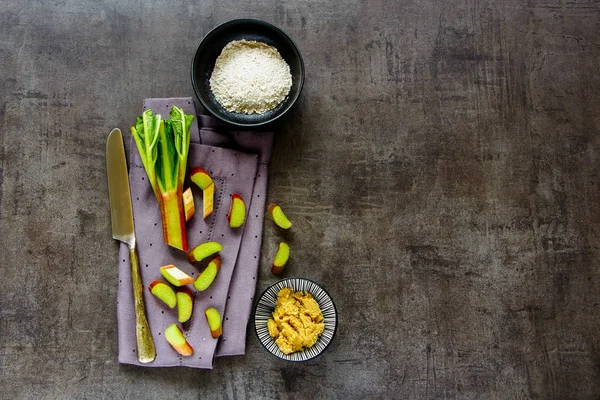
[(123, 230)]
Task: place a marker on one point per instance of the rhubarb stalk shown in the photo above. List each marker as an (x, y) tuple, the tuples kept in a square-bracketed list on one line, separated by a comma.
[(163, 146)]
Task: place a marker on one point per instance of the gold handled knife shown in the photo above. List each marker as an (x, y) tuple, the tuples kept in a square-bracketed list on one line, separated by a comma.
[(123, 230)]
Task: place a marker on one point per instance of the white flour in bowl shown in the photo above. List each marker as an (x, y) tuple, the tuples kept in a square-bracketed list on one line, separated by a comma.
[(250, 77)]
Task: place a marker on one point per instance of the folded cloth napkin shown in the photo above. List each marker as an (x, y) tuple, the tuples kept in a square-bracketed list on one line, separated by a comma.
[(237, 162)]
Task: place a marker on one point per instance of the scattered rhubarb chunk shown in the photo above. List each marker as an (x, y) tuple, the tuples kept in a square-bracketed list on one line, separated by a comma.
[(204, 250), (279, 217), (188, 204), (164, 292), (237, 211), (206, 278), (203, 180), (281, 258), (200, 177), (214, 322), (185, 304), (175, 276), (208, 200), (175, 337)]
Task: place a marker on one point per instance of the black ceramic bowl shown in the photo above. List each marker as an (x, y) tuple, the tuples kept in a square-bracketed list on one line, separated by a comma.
[(249, 29), (263, 311)]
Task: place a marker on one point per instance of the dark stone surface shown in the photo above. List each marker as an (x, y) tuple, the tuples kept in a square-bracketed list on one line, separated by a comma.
[(441, 169)]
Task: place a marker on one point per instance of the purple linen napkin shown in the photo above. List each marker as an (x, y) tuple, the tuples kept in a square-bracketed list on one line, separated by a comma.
[(243, 283), (234, 171)]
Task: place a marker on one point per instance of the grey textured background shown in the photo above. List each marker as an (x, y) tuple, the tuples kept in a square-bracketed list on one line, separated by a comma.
[(441, 169)]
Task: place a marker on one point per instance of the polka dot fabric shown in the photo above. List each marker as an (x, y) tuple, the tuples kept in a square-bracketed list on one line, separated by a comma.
[(234, 168)]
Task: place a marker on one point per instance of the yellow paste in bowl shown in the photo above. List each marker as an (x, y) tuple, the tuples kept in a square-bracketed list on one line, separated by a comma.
[(297, 321)]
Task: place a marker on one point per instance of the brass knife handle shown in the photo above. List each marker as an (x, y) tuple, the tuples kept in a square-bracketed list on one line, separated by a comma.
[(143, 337)]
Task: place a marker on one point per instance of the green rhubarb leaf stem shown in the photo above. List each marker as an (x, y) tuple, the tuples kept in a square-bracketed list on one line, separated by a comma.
[(169, 161), (180, 124), (164, 146), (146, 133)]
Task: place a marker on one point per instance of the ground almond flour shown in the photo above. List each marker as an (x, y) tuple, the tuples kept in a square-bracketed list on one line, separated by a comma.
[(250, 77)]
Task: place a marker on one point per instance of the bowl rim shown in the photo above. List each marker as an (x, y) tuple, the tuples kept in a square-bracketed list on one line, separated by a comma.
[(270, 26), (320, 287)]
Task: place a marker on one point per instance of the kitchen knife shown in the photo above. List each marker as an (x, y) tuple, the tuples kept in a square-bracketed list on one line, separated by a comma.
[(123, 230)]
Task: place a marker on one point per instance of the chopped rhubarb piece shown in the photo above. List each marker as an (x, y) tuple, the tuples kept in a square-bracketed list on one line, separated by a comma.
[(237, 211), (185, 304), (175, 337), (206, 278), (279, 217), (164, 292), (175, 276), (203, 180), (214, 322), (281, 258), (188, 204), (204, 250)]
